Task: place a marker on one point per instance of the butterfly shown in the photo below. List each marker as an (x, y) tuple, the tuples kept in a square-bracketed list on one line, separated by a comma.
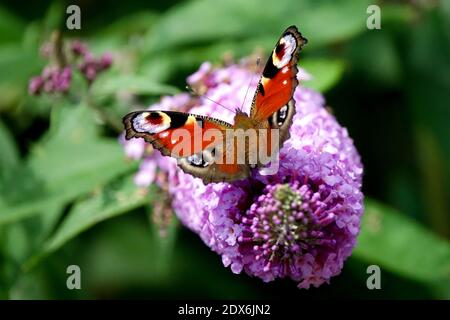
[(212, 149)]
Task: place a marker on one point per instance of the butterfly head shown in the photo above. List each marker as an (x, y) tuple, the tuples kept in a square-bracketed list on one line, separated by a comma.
[(243, 121)]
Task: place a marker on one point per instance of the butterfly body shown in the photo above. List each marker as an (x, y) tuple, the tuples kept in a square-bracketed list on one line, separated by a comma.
[(244, 121), (215, 150)]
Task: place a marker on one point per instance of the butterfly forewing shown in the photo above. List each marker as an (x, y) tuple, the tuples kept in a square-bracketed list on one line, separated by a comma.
[(175, 134), (279, 78)]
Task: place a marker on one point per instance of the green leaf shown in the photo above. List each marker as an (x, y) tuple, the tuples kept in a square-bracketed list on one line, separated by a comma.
[(133, 84), (17, 66), (31, 286), (116, 242), (385, 68), (164, 241), (129, 25), (195, 22), (70, 161), (325, 73), (188, 267), (427, 93), (400, 245), (397, 14), (40, 227), (54, 16), (9, 155), (111, 201), (11, 27), (162, 67), (23, 238)]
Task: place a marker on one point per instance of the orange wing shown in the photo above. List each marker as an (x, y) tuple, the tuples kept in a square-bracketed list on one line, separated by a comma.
[(175, 134), (279, 79), (196, 141)]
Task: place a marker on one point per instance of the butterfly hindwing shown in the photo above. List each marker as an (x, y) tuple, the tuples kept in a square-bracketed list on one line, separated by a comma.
[(201, 165), (282, 120)]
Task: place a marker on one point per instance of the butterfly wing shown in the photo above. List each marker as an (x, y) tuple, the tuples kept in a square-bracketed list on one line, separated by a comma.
[(175, 134), (204, 166), (279, 78), (192, 139)]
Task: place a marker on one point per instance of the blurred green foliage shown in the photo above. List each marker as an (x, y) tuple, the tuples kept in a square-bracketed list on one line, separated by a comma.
[(66, 190)]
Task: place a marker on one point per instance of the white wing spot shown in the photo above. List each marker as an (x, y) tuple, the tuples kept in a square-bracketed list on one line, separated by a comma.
[(141, 124), (289, 47)]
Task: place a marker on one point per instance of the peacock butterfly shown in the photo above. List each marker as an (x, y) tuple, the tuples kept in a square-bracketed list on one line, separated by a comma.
[(215, 150)]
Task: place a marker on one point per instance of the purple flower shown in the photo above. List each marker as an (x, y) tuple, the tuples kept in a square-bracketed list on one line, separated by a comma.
[(46, 50), (106, 61), (300, 223), (90, 66), (35, 85), (201, 74), (78, 48), (134, 149), (52, 79), (62, 79), (56, 77), (146, 174)]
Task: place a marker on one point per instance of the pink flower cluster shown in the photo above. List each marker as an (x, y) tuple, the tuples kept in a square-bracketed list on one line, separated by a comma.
[(300, 223), (90, 66), (52, 79), (57, 75)]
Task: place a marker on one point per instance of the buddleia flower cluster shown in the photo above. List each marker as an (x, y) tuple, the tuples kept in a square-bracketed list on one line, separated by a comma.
[(300, 223), (63, 59)]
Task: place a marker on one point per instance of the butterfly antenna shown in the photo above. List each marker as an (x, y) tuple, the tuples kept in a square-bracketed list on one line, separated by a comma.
[(250, 84), (195, 93)]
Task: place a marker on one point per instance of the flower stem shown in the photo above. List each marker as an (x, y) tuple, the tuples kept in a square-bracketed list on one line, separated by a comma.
[(57, 53)]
